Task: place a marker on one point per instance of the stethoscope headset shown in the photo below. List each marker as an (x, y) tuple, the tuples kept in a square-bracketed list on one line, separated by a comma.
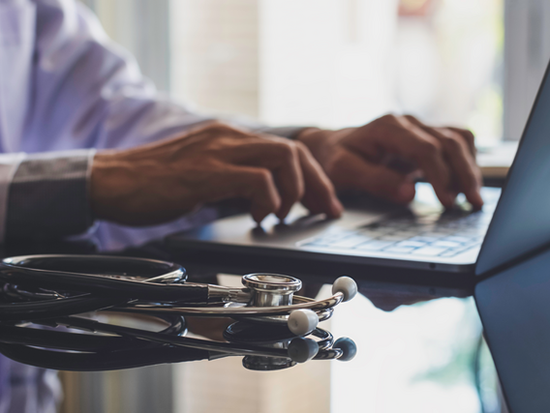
[(75, 312)]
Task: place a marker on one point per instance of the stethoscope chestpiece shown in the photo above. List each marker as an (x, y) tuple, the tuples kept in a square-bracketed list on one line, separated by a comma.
[(271, 290)]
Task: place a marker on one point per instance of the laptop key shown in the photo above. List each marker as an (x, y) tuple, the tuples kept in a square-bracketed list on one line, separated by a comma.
[(455, 251), (410, 244), (460, 240), (446, 244), (399, 250), (429, 251), (375, 245), (434, 235), (394, 238), (423, 239), (350, 242)]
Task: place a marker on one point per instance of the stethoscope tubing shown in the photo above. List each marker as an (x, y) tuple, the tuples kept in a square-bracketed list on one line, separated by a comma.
[(106, 286), (20, 344), (132, 358), (71, 341), (37, 310), (182, 341), (302, 304)]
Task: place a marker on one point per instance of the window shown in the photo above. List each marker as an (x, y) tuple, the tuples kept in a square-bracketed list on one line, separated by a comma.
[(339, 63), (343, 62)]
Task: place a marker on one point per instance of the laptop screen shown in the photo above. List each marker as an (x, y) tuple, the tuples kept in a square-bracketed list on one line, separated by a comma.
[(521, 222)]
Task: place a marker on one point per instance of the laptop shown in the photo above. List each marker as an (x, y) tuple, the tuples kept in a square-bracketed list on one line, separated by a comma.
[(422, 244)]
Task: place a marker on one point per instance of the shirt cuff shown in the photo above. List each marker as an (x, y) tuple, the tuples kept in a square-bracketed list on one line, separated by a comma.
[(48, 196)]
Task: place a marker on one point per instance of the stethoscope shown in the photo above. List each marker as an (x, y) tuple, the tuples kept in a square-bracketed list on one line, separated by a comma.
[(55, 290)]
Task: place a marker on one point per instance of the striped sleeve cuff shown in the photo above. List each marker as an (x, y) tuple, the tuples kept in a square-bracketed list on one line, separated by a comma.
[(48, 196)]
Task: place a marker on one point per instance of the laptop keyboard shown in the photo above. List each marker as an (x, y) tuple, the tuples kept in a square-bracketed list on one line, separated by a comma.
[(439, 235)]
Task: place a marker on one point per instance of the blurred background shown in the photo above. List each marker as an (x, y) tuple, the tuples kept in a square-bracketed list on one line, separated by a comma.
[(335, 63)]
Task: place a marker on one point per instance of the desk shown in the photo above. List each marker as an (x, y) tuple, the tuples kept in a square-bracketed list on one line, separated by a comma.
[(414, 359), (495, 162)]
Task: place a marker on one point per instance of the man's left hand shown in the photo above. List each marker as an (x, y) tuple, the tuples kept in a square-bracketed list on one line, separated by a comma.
[(385, 156)]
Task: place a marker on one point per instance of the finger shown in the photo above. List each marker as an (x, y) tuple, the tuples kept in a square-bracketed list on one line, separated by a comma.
[(400, 137), (289, 179), (375, 179), (469, 137), (256, 185), (463, 165), (279, 156), (319, 194)]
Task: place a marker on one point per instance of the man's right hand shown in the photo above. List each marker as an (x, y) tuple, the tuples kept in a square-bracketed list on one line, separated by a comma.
[(159, 182)]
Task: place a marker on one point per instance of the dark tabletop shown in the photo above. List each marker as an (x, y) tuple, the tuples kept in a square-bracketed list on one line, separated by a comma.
[(423, 357)]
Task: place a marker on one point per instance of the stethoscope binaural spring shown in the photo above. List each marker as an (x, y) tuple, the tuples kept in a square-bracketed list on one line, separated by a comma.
[(52, 289)]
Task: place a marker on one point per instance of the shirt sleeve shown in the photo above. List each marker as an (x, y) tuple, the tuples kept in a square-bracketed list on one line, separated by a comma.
[(87, 93), (48, 196)]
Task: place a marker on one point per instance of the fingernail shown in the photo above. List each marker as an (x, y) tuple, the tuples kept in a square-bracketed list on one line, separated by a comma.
[(282, 214), (336, 208), (478, 200), (451, 196), (405, 192)]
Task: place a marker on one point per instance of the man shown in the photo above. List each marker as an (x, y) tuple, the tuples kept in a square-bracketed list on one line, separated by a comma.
[(84, 136)]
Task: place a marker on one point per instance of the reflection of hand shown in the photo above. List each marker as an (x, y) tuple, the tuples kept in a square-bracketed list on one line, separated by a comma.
[(389, 299), (159, 182), (382, 157), (209, 327)]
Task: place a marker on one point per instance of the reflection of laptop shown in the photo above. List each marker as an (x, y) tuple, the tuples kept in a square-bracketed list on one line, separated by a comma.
[(421, 245), (514, 306)]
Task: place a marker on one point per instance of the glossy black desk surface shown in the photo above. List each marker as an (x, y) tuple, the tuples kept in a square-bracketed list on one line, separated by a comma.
[(418, 358)]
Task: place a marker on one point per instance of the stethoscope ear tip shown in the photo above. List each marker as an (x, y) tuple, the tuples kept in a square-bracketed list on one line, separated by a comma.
[(302, 322), (345, 285), (302, 349), (348, 347)]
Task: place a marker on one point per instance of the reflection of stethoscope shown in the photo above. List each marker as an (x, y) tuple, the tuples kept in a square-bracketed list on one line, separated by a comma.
[(50, 289)]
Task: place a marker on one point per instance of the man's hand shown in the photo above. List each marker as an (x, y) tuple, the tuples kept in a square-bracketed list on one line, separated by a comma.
[(384, 156), (159, 182)]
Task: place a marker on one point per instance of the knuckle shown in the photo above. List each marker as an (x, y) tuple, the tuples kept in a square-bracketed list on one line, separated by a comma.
[(287, 150), (300, 146), (429, 149), (218, 126), (466, 133), (261, 178), (225, 129), (469, 136), (390, 117), (452, 142)]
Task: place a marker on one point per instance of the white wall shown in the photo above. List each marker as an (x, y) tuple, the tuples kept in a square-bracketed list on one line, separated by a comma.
[(322, 62), (215, 54), (325, 62)]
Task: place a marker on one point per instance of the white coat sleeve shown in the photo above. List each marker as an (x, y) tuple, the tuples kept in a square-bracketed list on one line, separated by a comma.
[(86, 93)]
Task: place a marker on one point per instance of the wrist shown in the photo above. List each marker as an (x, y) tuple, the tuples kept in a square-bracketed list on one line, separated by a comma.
[(104, 177)]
